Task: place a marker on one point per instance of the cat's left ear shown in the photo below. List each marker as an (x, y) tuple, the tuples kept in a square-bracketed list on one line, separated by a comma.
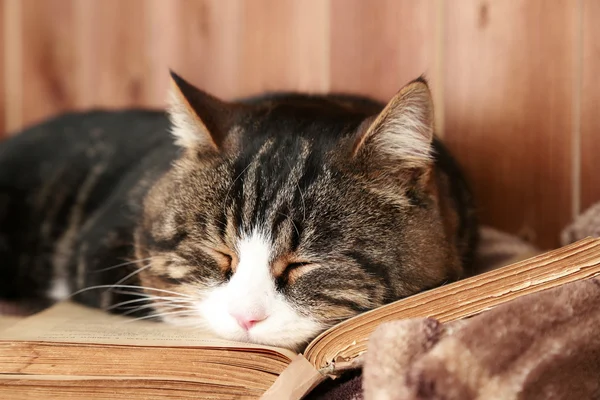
[(401, 135), (200, 121)]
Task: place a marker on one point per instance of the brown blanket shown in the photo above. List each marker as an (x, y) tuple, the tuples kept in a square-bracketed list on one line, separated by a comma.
[(542, 346)]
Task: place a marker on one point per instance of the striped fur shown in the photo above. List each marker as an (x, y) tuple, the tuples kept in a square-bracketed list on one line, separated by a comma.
[(289, 212)]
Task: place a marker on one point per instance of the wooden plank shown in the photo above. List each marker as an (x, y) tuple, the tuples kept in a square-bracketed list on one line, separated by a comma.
[(199, 40), (163, 25), (284, 46), (378, 46), (49, 70), (12, 75), (111, 53), (235, 48), (590, 105), (2, 76), (508, 104)]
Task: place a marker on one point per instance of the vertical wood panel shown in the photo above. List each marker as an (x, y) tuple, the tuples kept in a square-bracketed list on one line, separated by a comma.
[(234, 48), (12, 66), (508, 94), (204, 47), (161, 39), (2, 76), (49, 67), (284, 45), (111, 60), (194, 38), (377, 46), (590, 105)]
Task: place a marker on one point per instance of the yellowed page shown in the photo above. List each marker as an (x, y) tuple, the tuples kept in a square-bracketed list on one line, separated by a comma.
[(299, 378), (7, 321), (461, 299), (61, 387), (73, 323)]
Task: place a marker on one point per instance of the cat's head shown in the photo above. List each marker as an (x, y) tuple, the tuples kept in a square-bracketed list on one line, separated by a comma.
[(287, 215)]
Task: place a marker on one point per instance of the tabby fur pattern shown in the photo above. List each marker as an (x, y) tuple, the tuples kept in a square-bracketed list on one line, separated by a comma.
[(264, 220)]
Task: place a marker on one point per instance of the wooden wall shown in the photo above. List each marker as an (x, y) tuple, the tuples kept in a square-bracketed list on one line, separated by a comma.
[(515, 81)]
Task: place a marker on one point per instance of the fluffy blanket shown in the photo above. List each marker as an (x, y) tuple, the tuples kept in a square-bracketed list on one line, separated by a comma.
[(542, 346)]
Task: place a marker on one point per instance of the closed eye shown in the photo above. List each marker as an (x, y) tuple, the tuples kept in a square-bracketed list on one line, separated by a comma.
[(292, 272), (292, 266), (224, 261), (227, 259), (226, 265)]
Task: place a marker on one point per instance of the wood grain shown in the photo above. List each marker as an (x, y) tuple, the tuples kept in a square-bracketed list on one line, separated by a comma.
[(111, 55), (590, 105), (378, 46), (2, 76), (200, 41), (284, 46), (12, 79), (49, 68), (508, 103)]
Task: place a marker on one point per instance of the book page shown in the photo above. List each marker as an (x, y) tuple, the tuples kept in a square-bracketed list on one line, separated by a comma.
[(299, 378), (73, 323), (63, 387), (348, 340), (8, 321)]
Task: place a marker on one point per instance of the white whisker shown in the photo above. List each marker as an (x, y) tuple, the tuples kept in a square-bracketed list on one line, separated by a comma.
[(292, 221), (160, 315), (131, 287), (154, 305), (132, 293), (147, 298), (133, 273), (122, 265)]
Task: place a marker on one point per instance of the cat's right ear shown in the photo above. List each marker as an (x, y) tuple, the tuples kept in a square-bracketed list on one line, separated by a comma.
[(200, 121), (401, 135)]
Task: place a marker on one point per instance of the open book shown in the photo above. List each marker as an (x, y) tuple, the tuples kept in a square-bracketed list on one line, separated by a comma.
[(70, 351)]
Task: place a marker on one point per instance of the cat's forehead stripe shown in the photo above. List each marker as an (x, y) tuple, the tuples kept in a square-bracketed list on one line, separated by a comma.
[(272, 184), (249, 178)]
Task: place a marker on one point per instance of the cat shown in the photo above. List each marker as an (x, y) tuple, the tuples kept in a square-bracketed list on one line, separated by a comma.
[(264, 220)]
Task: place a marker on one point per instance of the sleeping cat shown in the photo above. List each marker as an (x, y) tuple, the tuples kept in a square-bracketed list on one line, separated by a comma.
[(265, 220)]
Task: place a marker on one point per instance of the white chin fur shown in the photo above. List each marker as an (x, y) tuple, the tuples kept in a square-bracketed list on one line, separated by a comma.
[(283, 328), (251, 293)]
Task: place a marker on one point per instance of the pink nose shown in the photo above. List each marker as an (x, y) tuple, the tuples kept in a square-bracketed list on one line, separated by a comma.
[(248, 321)]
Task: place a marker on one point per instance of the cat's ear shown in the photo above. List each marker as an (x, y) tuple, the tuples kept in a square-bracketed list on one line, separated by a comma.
[(402, 134), (200, 121)]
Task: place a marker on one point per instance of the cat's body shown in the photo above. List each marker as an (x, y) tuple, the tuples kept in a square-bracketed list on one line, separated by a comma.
[(272, 219), (71, 190)]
